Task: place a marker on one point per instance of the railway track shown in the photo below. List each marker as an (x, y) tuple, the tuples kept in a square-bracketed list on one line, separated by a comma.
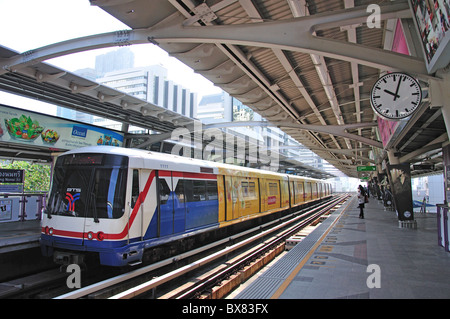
[(236, 271), (267, 242)]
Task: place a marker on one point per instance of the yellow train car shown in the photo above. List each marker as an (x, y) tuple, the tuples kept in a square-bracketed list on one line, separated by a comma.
[(246, 193)]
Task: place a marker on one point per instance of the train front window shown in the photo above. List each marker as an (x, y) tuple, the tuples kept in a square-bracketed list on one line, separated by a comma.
[(108, 193), (69, 196), (88, 190)]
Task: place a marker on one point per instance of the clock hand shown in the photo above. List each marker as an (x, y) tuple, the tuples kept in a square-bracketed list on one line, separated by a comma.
[(398, 87), (392, 93)]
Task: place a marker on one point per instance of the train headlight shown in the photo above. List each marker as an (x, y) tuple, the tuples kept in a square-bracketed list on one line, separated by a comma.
[(100, 235), (90, 235), (50, 231)]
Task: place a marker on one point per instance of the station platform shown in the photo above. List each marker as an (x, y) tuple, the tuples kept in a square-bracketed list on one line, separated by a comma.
[(346, 257), (19, 235)]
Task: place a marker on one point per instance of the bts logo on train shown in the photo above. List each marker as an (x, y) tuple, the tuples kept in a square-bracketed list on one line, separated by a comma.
[(72, 195), (123, 206)]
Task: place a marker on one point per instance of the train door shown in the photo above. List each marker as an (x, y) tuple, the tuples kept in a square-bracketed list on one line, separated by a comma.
[(273, 190), (228, 198), (291, 193), (140, 191), (222, 198), (314, 190), (300, 192), (236, 196), (308, 191), (172, 206), (165, 204), (179, 204), (262, 194), (135, 193), (285, 193)]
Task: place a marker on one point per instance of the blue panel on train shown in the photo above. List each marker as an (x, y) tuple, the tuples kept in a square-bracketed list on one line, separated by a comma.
[(201, 213), (166, 217), (179, 218), (172, 216)]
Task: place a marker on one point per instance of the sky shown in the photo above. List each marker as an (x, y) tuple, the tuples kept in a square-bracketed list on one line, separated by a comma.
[(30, 24)]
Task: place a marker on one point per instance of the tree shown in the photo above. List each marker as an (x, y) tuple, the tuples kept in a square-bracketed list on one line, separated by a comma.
[(37, 176)]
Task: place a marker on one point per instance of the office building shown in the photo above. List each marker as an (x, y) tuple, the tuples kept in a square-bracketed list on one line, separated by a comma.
[(151, 84)]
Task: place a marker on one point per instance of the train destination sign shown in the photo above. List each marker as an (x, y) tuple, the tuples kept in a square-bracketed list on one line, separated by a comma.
[(366, 168)]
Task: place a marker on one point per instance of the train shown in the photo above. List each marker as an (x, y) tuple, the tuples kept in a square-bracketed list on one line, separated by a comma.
[(118, 203)]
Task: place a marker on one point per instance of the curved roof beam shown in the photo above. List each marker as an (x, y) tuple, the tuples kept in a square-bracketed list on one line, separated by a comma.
[(296, 35), (291, 34), (338, 130)]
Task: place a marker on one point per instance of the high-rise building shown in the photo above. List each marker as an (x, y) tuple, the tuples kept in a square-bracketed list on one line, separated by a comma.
[(119, 59), (215, 108), (151, 84)]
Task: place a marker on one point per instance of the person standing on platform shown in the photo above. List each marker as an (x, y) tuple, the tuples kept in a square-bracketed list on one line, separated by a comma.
[(361, 201)]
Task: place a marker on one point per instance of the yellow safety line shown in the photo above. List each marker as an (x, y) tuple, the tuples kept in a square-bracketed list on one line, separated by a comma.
[(294, 273)]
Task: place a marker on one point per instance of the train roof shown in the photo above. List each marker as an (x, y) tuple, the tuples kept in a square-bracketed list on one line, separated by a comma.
[(154, 160)]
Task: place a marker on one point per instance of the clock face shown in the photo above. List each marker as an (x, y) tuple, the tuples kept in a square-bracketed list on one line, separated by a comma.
[(395, 96)]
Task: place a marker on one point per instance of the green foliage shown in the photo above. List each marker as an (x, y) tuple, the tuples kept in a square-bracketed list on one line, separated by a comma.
[(37, 177)]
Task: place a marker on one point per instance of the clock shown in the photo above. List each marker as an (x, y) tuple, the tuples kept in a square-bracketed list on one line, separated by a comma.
[(395, 96)]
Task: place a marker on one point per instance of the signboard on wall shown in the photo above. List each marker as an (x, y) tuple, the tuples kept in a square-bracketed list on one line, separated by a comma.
[(30, 128), (432, 20), (11, 175)]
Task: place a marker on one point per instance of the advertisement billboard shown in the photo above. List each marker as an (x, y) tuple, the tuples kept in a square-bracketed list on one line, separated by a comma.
[(432, 19), (388, 128), (30, 128)]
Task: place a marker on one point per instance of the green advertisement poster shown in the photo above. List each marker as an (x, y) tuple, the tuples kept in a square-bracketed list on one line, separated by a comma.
[(27, 127)]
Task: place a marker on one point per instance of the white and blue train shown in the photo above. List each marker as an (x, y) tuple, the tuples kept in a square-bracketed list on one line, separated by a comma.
[(117, 202)]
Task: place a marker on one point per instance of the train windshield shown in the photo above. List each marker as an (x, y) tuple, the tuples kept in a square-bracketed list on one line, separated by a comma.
[(89, 185)]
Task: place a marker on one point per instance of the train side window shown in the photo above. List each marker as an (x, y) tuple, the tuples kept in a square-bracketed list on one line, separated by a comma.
[(273, 189), (135, 188), (199, 191), (195, 190), (300, 188), (189, 190), (211, 190), (244, 186), (252, 189), (164, 191)]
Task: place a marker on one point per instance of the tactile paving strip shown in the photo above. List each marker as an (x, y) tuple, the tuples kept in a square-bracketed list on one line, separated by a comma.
[(269, 282)]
